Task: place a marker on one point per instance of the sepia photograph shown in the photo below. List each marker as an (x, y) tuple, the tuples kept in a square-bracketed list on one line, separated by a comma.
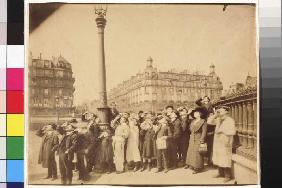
[(142, 94)]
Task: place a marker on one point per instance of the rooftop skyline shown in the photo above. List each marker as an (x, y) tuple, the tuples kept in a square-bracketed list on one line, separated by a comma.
[(176, 36)]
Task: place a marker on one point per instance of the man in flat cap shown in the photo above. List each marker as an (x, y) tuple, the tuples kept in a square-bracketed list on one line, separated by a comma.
[(223, 138)]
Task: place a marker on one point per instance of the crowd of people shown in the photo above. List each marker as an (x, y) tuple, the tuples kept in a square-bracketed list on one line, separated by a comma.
[(171, 139)]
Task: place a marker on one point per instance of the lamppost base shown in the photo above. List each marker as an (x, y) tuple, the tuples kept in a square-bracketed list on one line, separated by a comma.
[(104, 114)]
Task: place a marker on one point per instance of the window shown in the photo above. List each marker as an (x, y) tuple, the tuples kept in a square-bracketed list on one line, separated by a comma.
[(59, 73), (41, 91), (46, 64), (46, 91), (46, 81), (60, 91), (46, 102), (40, 72), (40, 64)]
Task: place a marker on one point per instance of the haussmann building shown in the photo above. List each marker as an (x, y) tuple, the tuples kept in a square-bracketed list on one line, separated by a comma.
[(152, 90), (51, 88)]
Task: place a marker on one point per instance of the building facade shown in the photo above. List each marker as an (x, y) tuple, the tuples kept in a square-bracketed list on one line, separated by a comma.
[(51, 87), (152, 90), (250, 82)]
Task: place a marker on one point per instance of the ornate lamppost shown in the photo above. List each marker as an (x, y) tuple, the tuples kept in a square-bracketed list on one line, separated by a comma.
[(57, 108), (103, 109)]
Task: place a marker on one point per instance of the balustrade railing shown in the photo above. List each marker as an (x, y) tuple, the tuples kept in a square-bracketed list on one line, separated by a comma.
[(243, 109)]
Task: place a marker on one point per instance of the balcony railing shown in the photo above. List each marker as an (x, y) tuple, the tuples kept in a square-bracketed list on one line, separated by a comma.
[(243, 105)]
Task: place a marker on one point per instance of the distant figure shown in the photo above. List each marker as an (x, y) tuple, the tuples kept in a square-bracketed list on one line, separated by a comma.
[(223, 138), (49, 145)]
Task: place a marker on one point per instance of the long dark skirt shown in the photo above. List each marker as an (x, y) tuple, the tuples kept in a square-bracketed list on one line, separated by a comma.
[(184, 143), (194, 158), (104, 151), (172, 153)]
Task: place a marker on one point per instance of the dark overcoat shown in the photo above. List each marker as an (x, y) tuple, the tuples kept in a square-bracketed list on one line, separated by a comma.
[(185, 130), (185, 136), (68, 143), (149, 144), (173, 141), (49, 145)]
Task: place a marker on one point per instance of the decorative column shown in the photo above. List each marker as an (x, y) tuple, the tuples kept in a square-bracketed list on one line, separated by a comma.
[(245, 125), (236, 116), (250, 124), (240, 122), (231, 110), (103, 109)]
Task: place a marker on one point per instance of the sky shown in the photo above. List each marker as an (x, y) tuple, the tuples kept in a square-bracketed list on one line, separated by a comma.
[(176, 36)]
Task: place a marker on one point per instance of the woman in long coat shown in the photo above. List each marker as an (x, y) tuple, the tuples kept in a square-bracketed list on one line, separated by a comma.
[(205, 102), (198, 129), (132, 151)]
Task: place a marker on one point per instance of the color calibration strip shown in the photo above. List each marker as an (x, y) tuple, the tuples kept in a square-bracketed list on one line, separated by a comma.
[(270, 85), (11, 93)]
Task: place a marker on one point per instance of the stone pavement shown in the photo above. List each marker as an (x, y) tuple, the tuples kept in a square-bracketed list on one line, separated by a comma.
[(178, 176)]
